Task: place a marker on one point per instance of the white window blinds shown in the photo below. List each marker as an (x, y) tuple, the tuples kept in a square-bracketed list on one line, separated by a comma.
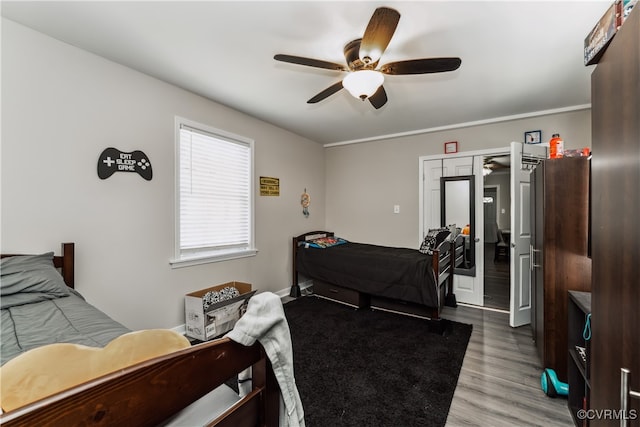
[(215, 193)]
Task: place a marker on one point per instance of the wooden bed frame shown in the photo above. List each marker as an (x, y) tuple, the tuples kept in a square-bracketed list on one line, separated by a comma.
[(443, 262), (150, 392)]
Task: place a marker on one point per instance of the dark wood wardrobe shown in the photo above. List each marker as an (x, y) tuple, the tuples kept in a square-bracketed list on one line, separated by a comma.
[(615, 227), (560, 263)]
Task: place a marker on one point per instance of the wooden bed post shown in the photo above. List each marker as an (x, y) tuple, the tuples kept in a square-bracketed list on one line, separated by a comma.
[(295, 287), (450, 299), (68, 255)]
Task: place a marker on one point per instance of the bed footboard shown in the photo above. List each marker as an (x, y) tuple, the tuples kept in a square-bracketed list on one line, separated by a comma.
[(150, 392)]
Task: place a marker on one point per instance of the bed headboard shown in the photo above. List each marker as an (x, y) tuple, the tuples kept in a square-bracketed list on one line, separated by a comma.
[(64, 262), (295, 288), (312, 235)]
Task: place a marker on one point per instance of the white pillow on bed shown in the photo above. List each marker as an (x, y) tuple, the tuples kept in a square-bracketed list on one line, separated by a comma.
[(433, 239), (30, 278)]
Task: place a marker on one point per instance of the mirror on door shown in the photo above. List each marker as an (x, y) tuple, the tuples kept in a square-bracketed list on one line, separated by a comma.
[(457, 206)]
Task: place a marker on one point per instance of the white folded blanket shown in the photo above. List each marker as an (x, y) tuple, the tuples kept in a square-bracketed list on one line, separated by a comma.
[(266, 323)]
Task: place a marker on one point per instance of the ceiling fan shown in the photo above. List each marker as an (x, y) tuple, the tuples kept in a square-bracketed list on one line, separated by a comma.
[(364, 79), (496, 163)]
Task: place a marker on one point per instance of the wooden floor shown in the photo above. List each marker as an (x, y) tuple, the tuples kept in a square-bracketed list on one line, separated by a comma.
[(499, 384), (496, 279)]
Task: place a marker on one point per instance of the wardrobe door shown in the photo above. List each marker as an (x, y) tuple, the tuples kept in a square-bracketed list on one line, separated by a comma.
[(537, 244), (615, 238), (560, 194)]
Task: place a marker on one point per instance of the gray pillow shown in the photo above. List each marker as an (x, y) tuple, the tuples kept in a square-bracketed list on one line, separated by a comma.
[(32, 274)]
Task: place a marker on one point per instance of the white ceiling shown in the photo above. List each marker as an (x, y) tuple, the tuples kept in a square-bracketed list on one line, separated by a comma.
[(518, 57)]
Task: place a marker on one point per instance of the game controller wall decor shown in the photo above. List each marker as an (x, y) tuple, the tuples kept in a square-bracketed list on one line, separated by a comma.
[(113, 160)]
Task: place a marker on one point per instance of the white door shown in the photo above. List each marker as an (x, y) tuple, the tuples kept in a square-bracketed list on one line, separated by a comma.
[(431, 173), (468, 289), (523, 157)]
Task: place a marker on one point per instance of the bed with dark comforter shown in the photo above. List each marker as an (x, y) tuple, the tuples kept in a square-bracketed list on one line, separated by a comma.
[(366, 275), (399, 273)]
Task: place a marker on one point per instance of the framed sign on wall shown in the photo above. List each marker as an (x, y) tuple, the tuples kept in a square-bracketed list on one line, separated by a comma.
[(533, 137), (450, 147)]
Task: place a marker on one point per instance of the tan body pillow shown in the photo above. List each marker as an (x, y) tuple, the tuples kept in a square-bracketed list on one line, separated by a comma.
[(49, 369)]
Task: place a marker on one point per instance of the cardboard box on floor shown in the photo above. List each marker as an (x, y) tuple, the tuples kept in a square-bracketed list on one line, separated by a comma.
[(219, 318)]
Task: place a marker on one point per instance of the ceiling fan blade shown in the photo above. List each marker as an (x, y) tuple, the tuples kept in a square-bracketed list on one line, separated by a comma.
[(378, 34), (310, 62), (421, 66), (379, 98), (326, 93)]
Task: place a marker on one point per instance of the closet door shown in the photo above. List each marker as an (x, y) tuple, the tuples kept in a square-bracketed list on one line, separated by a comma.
[(523, 157), (537, 245), (432, 171), (468, 289)]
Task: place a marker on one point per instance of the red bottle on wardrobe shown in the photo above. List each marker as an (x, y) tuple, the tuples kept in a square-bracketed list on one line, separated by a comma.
[(556, 147)]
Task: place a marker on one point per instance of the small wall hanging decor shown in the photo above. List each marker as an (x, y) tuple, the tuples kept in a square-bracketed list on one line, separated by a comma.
[(305, 200), (269, 186), (533, 137), (451, 147), (113, 160)]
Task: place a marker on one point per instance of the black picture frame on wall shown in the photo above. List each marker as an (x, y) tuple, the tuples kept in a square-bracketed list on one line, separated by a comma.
[(533, 137)]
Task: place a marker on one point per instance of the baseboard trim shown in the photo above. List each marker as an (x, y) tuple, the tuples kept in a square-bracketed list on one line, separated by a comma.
[(282, 293), (479, 307)]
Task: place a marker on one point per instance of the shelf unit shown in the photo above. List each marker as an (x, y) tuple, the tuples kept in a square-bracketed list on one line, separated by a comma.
[(579, 310)]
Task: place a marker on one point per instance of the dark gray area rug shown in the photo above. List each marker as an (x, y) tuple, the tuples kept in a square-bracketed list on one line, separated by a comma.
[(372, 368)]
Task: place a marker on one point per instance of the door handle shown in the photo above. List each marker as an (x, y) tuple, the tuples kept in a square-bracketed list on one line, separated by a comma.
[(625, 393), (532, 257)]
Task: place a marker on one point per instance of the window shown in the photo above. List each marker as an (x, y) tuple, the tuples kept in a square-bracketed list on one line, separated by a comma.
[(214, 195)]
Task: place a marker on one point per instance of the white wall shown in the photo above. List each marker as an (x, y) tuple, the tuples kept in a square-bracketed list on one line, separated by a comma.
[(61, 106), (364, 181)]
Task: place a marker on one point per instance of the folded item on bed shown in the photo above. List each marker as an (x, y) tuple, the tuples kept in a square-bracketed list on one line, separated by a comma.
[(33, 277), (323, 242)]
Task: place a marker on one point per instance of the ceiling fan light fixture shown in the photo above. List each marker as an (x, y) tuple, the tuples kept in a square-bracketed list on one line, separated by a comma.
[(363, 83), (486, 170)]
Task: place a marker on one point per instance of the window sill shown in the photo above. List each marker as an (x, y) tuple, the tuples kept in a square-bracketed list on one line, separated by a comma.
[(209, 258)]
